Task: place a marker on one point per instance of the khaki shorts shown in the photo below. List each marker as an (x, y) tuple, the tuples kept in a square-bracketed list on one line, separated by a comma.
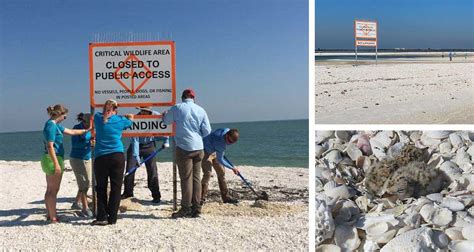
[(83, 171), (47, 164)]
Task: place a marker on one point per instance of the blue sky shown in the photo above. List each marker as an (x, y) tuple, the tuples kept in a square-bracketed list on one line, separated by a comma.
[(402, 23), (246, 60)]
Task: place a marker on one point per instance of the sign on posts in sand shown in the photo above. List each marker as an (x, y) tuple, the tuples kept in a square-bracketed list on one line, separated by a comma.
[(365, 34), (134, 74)]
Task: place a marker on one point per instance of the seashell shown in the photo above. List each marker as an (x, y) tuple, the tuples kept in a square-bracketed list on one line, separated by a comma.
[(384, 237), (330, 185), (461, 219), (461, 246), (319, 150), (323, 135), (437, 197), (347, 213), (436, 215), (451, 169), (468, 232), (415, 136), (353, 152), (437, 134), (363, 143), (385, 138), (403, 138), (362, 202), (376, 228), (420, 239), (395, 150), (324, 222), (338, 192), (378, 149), (456, 140), (344, 136), (346, 237), (404, 230), (333, 155), (370, 246), (328, 248), (319, 185), (470, 211), (470, 151), (445, 148), (452, 204), (366, 220), (454, 233), (463, 160)]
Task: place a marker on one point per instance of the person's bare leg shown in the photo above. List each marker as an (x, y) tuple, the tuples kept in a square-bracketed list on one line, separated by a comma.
[(78, 197), (83, 198), (52, 189)]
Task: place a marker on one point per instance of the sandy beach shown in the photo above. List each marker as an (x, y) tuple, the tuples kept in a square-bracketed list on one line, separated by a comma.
[(417, 91), (280, 224)]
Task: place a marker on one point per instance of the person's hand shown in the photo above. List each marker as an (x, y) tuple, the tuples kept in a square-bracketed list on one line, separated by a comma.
[(165, 145), (57, 170), (164, 113), (129, 116), (92, 142), (236, 171)]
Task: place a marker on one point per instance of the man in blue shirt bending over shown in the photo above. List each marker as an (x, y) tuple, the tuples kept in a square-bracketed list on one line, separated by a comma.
[(214, 149), (142, 147)]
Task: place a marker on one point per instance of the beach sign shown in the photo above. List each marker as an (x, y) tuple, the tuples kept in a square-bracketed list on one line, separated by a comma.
[(365, 29), (148, 125), (365, 34), (132, 73)]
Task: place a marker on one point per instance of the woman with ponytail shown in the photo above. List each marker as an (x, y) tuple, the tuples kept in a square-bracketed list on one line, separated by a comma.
[(52, 161), (109, 161)]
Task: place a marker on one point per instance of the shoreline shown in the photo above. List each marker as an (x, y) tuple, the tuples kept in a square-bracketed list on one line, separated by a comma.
[(243, 227)]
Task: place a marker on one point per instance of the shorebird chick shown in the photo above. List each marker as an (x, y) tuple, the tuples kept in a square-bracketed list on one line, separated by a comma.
[(415, 179), (380, 172)]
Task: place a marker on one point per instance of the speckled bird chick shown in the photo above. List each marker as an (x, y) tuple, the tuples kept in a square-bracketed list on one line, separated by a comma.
[(414, 179), (380, 172)]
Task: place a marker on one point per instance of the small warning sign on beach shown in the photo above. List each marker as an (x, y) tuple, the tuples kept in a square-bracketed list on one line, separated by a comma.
[(369, 43), (132, 73)]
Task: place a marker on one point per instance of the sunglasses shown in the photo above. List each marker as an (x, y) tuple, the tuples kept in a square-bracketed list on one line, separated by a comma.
[(230, 140)]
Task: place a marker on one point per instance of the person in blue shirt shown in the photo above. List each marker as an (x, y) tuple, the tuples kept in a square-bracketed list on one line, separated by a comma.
[(214, 149), (52, 161), (109, 161), (192, 124), (142, 147), (80, 160)]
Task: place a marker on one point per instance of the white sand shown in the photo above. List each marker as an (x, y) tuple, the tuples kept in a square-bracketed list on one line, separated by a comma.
[(282, 226), (395, 92)]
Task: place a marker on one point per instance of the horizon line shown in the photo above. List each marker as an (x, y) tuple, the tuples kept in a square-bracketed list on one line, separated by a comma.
[(269, 120)]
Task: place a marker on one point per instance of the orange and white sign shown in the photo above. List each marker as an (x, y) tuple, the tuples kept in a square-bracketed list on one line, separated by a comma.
[(366, 43), (132, 73), (365, 29), (148, 125)]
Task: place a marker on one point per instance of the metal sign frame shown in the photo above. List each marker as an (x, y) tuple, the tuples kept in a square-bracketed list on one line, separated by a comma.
[(370, 41)]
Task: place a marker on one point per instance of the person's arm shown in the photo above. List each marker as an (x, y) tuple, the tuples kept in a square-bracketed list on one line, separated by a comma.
[(168, 116), (74, 132), (52, 154), (135, 145), (221, 158), (127, 120), (205, 126)]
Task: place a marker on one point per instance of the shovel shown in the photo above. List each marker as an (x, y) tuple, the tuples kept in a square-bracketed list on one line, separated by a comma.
[(262, 196)]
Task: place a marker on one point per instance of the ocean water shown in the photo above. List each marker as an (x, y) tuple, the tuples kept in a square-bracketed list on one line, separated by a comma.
[(269, 143)]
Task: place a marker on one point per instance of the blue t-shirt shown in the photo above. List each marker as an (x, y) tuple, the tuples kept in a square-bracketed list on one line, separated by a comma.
[(53, 132), (81, 144), (109, 135)]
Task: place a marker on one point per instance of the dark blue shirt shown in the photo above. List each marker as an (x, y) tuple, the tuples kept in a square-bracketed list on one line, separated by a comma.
[(81, 144)]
